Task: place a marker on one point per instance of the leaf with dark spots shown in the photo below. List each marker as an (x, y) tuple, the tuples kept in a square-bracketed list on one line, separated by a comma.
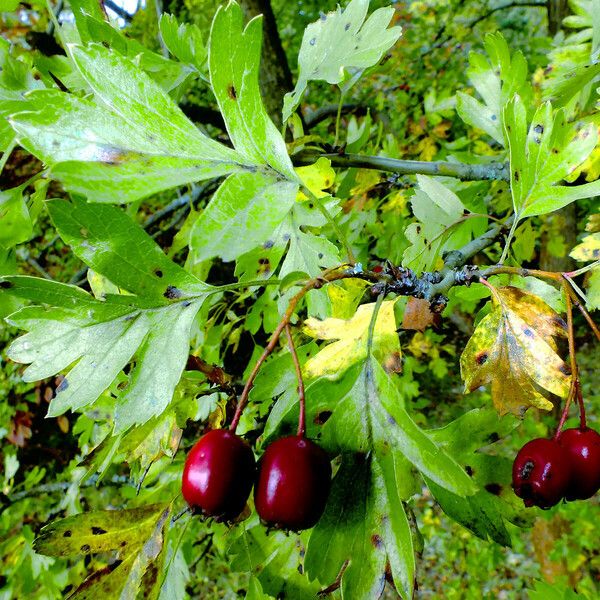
[(98, 530), (80, 533), (172, 293), (493, 488), (322, 417), (517, 339), (5, 285), (231, 92)]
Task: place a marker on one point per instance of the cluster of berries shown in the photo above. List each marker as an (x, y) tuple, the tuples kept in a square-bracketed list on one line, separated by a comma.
[(547, 470), (291, 482)]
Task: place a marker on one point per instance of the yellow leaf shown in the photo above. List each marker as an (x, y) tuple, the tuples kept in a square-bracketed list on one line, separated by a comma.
[(352, 336), (396, 201), (427, 148), (588, 250), (345, 297), (365, 180), (513, 348), (316, 177)]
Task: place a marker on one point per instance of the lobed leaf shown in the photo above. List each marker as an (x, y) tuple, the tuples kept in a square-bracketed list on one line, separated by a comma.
[(513, 349), (339, 42), (131, 142), (544, 155)]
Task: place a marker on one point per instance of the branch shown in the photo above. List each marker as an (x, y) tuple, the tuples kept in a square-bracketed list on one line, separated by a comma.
[(320, 114), (118, 10), (496, 171)]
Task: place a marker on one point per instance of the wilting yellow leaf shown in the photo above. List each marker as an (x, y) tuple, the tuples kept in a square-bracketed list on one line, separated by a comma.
[(513, 348), (352, 336), (588, 250), (316, 177)]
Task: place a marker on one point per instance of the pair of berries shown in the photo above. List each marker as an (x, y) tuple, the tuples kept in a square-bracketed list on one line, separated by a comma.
[(547, 470), (291, 482)]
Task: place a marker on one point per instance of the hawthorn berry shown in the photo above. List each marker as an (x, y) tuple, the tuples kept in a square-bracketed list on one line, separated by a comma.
[(541, 473), (218, 474), (582, 448), (294, 477)]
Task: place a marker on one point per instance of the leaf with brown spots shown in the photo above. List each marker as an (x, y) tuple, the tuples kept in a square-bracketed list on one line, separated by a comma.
[(544, 154), (513, 348), (135, 535)]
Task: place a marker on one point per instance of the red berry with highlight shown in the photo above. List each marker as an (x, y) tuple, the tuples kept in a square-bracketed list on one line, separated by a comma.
[(540, 473), (293, 484), (218, 474), (582, 448)]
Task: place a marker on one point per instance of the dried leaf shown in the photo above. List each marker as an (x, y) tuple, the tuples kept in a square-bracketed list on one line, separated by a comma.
[(417, 315), (513, 348)]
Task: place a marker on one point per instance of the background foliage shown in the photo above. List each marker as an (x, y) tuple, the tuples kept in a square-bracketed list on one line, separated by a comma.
[(156, 310)]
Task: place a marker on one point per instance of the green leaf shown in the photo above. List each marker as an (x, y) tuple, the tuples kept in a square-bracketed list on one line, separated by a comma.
[(339, 43), (442, 225), (276, 559), (97, 339), (364, 525), (184, 41), (243, 214), (496, 80), (562, 86), (132, 142), (485, 512), (234, 58), (110, 242), (14, 216), (544, 155)]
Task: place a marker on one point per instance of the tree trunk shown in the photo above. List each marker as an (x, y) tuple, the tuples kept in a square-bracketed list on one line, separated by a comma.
[(557, 11), (275, 74)]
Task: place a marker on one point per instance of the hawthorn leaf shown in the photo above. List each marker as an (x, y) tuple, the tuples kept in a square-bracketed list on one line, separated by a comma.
[(513, 349), (442, 224), (544, 155), (234, 58), (350, 345), (588, 249), (341, 44), (136, 535), (184, 41), (317, 177), (362, 411), (243, 213), (129, 142), (96, 339), (364, 526), (496, 79), (111, 243), (99, 531), (14, 216), (483, 513), (275, 559)]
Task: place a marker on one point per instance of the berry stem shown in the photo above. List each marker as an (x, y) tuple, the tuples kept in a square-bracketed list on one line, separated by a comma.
[(575, 389), (301, 396), (326, 276)]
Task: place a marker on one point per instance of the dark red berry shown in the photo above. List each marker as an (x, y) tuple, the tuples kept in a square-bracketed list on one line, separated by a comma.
[(218, 474), (541, 473), (582, 447), (294, 477)]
